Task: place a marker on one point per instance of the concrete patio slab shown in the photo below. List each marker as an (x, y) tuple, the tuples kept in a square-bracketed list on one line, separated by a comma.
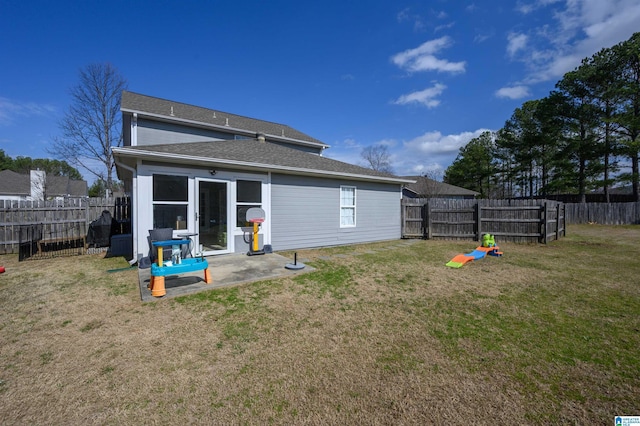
[(226, 270)]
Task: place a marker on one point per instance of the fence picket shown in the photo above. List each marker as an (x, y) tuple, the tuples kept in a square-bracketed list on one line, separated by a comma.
[(60, 220), (512, 220), (603, 213)]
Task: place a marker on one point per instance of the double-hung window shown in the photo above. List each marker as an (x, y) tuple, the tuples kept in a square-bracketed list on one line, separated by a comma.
[(248, 194), (170, 201), (347, 206)]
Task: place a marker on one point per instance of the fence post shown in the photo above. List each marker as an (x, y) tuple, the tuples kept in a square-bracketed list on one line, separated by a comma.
[(427, 221), (478, 215), (557, 221), (545, 222), (403, 223)]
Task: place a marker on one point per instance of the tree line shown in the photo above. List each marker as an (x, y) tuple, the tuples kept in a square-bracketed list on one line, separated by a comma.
[(584, 136), (24, 165)]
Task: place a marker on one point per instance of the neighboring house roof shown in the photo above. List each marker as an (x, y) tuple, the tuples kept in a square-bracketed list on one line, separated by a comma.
[(78, 187), (12, 183), (63, 186), (172, 111), (423, 186), (250, 154)]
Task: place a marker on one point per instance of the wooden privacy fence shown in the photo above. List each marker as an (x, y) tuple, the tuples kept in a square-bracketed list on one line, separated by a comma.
[(41, 227), (510, 220), (603, 213)]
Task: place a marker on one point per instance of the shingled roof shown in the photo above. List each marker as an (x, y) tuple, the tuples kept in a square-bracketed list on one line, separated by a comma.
[(433, 187), (19, 184), (251, 154), (179, 112), (12, 183), (60, 186)]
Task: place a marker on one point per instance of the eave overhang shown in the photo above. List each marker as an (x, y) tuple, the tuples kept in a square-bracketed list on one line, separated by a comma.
[(129, 157)]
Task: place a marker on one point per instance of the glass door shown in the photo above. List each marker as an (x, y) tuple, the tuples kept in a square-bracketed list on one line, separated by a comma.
[(212, 223)]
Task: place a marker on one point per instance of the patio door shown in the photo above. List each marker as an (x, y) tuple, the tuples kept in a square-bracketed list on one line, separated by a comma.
[(212, 207)]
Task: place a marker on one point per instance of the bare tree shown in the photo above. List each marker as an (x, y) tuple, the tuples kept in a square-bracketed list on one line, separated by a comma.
[(428, 185), (92, 125), (377, 157)]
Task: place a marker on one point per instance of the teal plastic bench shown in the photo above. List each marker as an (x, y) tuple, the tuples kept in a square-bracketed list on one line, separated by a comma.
[(160, 270)]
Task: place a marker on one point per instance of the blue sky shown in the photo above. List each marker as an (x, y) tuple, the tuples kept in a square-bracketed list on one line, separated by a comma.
[(422, 77)]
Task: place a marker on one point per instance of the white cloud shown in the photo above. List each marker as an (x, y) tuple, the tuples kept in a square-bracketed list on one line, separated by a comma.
[(387, 142), (351, 143), (513, 92), (582, 28), (526, 8), (431, 170), (426, 97), (433, 143), (423, 58), (482, 36), (471, 8), (431, 152), (516, 42), (444, 27), (405, 15), (10, 110)]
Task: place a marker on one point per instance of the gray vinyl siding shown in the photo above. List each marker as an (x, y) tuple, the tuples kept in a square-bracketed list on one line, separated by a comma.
[(305, 212), (311, 149), (159, 133)]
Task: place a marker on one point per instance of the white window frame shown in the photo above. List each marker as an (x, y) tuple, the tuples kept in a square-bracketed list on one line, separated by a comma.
[(182, 203), (350, 207), (248, 203)]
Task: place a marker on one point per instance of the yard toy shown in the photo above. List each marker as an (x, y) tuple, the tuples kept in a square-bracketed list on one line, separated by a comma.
[(1, 269), (160, 270), (488, 240), (488, 247), (255, 215)]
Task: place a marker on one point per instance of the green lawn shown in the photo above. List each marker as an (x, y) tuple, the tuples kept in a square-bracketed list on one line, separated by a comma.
[(380, 334)]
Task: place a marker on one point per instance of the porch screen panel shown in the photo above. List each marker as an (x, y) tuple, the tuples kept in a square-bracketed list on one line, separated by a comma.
[(248, 195), (170, 201)]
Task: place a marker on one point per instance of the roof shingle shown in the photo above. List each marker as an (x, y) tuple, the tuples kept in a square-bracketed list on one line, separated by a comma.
[(256, 154)]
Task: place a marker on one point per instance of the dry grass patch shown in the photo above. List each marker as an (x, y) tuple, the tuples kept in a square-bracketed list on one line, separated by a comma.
[(546, 334)]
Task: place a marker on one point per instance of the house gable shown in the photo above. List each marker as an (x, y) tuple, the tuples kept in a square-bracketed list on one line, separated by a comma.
[(160, 121)]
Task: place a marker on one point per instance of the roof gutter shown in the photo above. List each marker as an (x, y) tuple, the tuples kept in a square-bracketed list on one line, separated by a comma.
[(188, 159)]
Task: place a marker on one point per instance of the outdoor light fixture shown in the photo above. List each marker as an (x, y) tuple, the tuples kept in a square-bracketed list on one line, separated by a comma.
[(212, 172)]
